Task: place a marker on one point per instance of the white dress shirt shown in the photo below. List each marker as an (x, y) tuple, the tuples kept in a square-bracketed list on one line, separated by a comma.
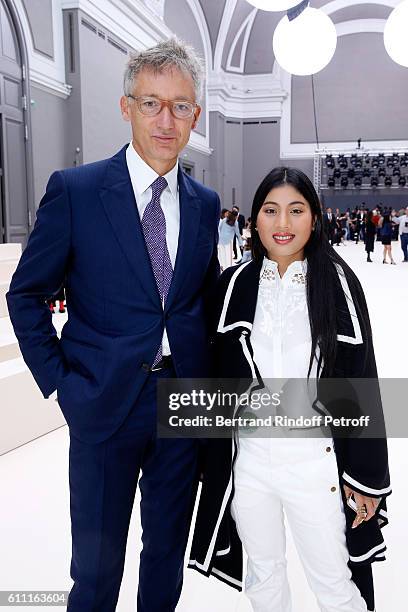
[(281, 337), (142, 176)]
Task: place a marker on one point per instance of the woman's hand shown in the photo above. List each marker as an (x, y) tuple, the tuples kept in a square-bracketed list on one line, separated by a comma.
[(370, 503)]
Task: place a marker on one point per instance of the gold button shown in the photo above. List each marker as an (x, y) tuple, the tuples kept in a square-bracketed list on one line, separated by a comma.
[(328, 449), (333, 489)]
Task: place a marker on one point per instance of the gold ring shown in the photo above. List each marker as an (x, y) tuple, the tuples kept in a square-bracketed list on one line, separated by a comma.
[(362, 512)]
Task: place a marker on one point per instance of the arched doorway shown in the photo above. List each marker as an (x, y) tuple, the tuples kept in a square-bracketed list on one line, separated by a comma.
[(14, 200)]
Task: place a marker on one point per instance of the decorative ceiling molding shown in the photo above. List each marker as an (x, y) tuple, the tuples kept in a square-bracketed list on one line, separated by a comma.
[(337, 5), (199, 143), (250, 96), (360, 26), (201, 21), (50, 85), (46, 72), (229, 10), (247, 26), (131, 20), (233, 93), (157, 6)]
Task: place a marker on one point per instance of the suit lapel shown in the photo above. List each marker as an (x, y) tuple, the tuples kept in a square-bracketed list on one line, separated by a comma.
[(190, 213), (119, 202)]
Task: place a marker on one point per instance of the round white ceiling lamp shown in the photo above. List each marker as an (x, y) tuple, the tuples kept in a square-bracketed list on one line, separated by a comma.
[(306, 44), (274, 5), (395, 34)]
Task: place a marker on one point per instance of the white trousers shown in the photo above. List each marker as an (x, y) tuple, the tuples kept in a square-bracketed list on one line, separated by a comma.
[(225, 255), (297, 477)]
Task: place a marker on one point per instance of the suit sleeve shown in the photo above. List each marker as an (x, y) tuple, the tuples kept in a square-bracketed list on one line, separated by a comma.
[(39, 275)]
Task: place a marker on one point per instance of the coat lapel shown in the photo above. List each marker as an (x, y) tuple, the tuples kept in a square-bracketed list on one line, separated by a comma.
[(240, 299), (348, 325), (119, 202), (241, 296), (190, 213)]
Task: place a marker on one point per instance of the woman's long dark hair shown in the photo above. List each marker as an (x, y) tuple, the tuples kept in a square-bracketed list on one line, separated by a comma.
[(321, 276)]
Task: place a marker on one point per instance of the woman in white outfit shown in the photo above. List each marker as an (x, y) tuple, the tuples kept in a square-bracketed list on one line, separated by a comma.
[(296, 311), (228, 228)]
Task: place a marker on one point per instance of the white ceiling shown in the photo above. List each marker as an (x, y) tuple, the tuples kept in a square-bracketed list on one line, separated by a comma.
[(238, 32)]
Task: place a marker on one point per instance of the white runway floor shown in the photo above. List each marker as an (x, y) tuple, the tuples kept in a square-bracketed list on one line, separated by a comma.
[(34, 499)]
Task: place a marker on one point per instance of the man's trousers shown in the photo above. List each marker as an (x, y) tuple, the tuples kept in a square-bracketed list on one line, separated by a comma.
[(103, 479)]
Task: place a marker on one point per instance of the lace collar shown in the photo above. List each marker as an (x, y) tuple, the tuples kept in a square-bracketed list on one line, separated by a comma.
[(294, 275)]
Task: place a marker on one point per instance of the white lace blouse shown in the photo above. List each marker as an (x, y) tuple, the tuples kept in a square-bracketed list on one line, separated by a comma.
[(280, 336)]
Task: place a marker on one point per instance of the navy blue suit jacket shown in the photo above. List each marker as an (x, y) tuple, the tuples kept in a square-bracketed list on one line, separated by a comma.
[(88, 237)]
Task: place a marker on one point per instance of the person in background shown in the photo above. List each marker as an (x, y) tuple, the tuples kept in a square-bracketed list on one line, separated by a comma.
[(329, 224), (241, 225), (247, 255), (223, 212), (338, 231), (376, 216), (358, 223), (364, 211), (402, 222), (385, 225), (240, 219), (370, 232), (246, 232), (380, 211), (376, 219), (349, 225), (228, 229), (342, 221)]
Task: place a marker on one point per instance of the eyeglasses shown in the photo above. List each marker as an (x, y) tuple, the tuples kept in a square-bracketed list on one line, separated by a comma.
[(149, 106)]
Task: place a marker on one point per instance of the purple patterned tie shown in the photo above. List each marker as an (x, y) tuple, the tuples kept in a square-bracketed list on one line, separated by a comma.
[(154, 231)]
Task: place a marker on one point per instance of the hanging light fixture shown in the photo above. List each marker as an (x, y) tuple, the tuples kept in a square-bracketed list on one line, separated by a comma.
[(273, 5), (395, 34), (306, 44)]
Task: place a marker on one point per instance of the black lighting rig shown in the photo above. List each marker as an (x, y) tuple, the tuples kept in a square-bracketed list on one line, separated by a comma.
[(363, 170)]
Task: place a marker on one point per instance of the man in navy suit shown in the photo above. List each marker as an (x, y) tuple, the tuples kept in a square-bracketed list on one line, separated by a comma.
[(134, 242)]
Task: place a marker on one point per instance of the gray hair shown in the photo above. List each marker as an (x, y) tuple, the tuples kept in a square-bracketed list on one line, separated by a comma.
[(171, 53)]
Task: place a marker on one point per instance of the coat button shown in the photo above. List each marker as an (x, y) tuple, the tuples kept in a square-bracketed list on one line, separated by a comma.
[(333, 489), (328, 449), (145, 367)]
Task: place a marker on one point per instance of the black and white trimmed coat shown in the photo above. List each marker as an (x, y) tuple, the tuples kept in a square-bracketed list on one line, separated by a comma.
[(362, 462)]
